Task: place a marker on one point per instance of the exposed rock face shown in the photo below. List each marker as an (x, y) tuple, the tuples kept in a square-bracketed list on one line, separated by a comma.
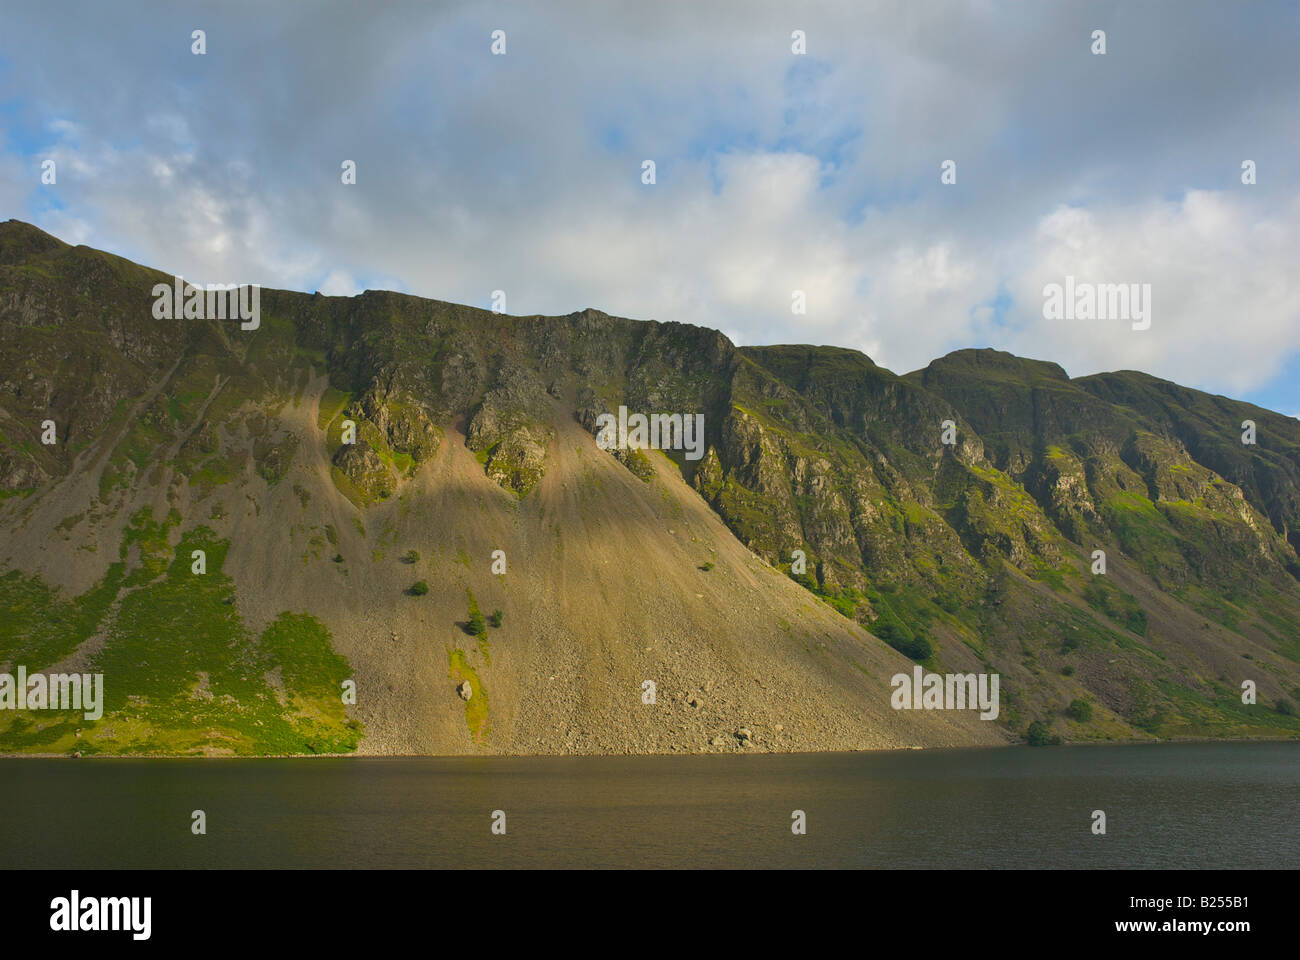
[(405, 424), (518, 459), (19, 473), (509, 429), (1094, 450), (362, 466), (465, 691)]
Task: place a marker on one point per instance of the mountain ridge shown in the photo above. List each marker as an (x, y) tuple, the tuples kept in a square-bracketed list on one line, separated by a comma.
[(968, 556)]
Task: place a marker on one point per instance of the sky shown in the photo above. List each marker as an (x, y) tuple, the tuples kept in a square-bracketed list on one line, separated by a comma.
[(775, 171)]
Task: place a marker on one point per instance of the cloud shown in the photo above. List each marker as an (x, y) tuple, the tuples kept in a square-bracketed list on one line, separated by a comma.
[(339, 284), (1225, 297), (775, 173)]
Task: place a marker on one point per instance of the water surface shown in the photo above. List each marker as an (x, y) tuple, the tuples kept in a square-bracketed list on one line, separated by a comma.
[(1167, 805)]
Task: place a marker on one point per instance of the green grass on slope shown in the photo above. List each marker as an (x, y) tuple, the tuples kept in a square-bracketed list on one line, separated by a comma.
[(476, 708), (39, 627), (182, 674)]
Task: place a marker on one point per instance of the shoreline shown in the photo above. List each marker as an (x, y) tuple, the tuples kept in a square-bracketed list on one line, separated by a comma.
[(573, 756)]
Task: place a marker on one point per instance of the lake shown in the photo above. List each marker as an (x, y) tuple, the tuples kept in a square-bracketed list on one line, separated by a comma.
[(1222, 805)]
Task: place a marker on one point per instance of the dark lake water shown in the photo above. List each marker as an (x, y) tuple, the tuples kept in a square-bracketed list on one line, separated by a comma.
[(1166, 805)]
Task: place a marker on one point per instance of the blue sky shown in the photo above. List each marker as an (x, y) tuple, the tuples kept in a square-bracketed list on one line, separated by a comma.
[(775, 172)]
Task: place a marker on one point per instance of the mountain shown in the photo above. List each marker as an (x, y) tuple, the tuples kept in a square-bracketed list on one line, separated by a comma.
[(201, 534)]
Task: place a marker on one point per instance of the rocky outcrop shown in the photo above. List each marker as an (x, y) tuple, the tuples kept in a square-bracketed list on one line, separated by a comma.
[(367, 473)]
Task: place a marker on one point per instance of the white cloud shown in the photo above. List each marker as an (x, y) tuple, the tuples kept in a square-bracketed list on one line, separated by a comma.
[(776, 173), (339, 283), (1225, 292)]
